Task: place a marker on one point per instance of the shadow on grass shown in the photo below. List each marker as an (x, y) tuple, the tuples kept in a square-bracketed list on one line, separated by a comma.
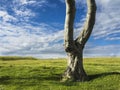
[(28, 81), (4, 79), (95, 76), (53, 78)]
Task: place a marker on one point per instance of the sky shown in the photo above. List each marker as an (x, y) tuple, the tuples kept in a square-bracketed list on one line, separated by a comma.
[(36, 28)]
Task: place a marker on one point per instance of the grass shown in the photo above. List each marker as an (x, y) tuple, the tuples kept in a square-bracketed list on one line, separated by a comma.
[(33, 74)]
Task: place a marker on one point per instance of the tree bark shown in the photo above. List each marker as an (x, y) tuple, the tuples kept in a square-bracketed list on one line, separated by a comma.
[(74, 48)]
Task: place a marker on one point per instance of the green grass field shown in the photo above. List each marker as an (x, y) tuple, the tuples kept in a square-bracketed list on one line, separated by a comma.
[(31, 74)]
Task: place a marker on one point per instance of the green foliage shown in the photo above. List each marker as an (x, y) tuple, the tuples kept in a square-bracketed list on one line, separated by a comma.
[(27, 74)]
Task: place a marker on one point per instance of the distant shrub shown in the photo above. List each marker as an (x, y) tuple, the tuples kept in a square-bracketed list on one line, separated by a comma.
[(6, 58)]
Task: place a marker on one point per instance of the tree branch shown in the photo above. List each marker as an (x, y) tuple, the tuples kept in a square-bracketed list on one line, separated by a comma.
[(69, 21), (88, 26)]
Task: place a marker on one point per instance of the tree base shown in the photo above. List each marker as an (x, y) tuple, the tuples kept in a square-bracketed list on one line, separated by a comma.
[(71, 79)]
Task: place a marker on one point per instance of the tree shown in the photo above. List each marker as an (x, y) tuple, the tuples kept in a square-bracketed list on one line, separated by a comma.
[(74, 48)]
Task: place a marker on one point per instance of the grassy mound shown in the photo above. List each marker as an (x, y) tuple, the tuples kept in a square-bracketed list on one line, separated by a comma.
[(27, 74)]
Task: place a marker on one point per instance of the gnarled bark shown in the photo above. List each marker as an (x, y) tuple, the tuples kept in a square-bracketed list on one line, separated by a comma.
[(74, 48)]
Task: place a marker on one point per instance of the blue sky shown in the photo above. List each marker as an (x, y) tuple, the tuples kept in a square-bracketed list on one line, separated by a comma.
[(35, 28)]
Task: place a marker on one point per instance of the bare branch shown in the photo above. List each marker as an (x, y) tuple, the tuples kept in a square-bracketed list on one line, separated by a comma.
[(69, 21), (90, 21)]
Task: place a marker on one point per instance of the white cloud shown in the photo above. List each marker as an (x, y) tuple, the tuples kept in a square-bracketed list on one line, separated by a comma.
[(19, 10), (23, 12), (27, 1), (98, 51), (24, 38), (30, 40), (6, 17), (107, 20), (30, 2)]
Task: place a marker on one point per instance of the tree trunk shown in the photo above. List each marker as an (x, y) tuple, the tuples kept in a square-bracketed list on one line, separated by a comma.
[(74, 48)]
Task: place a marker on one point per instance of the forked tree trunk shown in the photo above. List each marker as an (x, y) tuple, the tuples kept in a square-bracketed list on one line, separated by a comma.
[(74, 48)]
